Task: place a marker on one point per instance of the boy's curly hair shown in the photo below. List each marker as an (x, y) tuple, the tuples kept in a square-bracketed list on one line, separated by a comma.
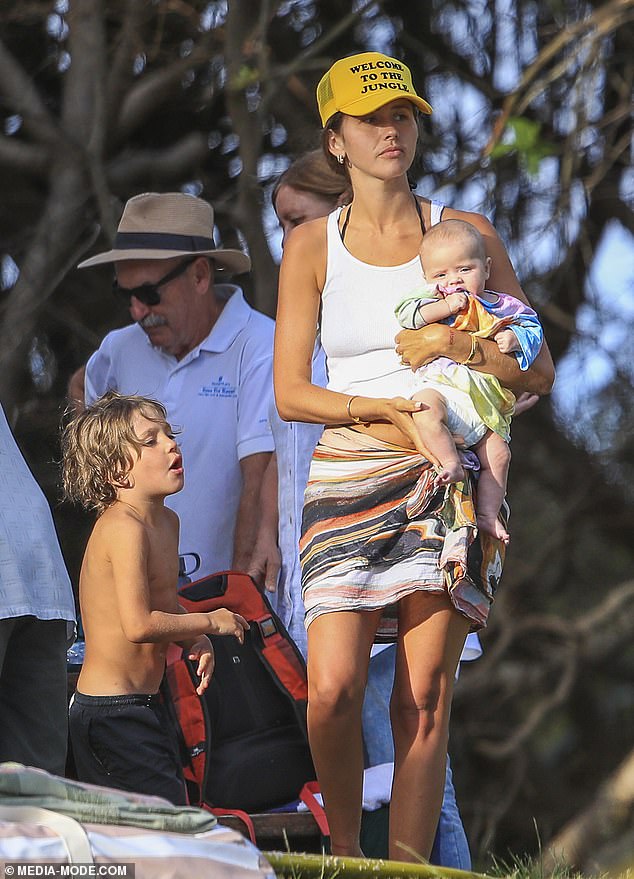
[(98, 446)]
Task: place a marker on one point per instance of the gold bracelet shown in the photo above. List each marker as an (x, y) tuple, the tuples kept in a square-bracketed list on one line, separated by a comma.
[(472, 353), (350, 415)]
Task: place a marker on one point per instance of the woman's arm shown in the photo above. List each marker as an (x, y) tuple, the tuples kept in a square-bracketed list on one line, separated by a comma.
[(421, 346), (418, 347), (302, 277)]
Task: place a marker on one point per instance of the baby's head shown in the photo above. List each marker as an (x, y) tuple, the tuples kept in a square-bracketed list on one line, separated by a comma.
[(453, 254), (100, 447)]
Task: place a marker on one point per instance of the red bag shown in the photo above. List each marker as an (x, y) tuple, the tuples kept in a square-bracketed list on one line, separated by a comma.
[(245, 739)]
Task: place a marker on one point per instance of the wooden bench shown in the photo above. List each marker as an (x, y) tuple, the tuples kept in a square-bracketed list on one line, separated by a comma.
[(298, 831), (280, 831)]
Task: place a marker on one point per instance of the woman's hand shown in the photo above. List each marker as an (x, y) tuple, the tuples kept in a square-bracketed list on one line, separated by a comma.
[(397, 411), (525, 402), (419, 347)]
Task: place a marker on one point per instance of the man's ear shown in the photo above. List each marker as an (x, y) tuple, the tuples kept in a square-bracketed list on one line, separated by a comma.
[(203, 271)]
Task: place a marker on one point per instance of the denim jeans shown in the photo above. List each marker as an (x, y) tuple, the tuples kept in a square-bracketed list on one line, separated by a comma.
[(450, 848)]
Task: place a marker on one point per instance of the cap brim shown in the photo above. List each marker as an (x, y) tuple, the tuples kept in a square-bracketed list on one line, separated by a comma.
[(233, 262), (370, 103)]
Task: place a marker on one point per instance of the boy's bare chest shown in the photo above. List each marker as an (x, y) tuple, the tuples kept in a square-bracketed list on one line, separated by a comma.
[(162, 566)]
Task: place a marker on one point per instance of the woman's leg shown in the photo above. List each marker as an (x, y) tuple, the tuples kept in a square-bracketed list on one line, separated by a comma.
[(451, 846), (431, 638), (338, 655)]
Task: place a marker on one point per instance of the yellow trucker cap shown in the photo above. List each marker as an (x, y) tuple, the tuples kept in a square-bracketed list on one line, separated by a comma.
[(362, 83)]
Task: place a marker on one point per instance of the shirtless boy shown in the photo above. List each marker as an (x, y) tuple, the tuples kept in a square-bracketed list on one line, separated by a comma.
[(120, 458)]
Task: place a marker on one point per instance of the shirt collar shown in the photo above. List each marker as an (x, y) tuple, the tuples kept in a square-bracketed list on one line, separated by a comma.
[(233, 318)]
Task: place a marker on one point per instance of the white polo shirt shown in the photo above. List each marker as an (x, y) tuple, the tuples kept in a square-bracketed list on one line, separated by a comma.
[(218, 396)]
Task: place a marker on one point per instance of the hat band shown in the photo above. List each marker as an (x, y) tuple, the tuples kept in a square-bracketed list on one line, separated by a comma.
[(162, 241)]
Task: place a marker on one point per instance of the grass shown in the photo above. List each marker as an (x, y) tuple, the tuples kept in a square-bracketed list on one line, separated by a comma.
[(289, 865)]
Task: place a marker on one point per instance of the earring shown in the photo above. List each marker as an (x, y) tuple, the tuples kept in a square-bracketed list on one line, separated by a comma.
[(341, 158)]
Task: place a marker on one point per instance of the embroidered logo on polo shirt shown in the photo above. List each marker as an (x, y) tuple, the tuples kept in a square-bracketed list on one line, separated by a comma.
[(219, 388)]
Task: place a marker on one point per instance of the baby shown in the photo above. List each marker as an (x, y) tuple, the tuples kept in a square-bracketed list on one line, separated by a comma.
[(121, 459), (459, 400)]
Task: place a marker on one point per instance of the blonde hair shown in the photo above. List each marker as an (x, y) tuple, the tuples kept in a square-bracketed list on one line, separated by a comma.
[(98, 447), (454, 231)]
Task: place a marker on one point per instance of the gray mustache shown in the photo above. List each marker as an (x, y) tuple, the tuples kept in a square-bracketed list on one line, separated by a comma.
[(151, 320)]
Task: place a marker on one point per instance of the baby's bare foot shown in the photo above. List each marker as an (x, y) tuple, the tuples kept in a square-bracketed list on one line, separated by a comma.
[(449, 473), (492, 525)]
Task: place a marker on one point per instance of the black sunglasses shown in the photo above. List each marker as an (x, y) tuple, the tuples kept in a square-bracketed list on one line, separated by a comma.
[(150, 294)]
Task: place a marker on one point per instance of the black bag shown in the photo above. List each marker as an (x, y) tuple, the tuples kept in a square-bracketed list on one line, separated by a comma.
[(246, 739)]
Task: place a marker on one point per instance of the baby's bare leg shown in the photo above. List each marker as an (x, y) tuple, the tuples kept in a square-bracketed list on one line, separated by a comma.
[(495, 458), (431, 423)]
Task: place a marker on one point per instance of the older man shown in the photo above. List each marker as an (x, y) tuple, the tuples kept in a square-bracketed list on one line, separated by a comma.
[(199, 348)]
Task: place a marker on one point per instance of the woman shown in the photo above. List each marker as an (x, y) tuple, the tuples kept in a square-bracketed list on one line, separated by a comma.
[(308, 189), (369, 536)]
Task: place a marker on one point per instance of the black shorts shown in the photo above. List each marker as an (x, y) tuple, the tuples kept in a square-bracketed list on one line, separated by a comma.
[(126, 742)]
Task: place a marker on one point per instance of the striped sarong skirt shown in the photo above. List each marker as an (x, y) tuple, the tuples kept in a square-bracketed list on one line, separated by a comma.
[(375, 529)]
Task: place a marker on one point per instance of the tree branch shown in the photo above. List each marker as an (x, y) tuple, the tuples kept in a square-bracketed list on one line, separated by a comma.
[(23, 98), (609, 816), (603, 20), (21, 156), (152, 89), (129, 169)]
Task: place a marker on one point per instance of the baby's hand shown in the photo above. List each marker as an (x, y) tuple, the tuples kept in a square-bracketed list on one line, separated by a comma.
[(225, 622), (202, 651), (456, 301), (506, 341)]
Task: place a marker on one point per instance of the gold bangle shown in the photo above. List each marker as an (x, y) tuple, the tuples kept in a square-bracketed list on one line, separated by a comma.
[(350, 415), (472, 353)]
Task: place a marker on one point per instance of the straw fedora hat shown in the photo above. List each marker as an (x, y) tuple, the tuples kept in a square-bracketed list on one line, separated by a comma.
[(160, 225)]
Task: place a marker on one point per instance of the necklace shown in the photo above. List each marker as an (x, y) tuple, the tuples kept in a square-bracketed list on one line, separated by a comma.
[(349, 211)]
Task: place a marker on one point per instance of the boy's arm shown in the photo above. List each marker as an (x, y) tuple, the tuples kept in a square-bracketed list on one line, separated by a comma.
[(141, 624), (201, 650), (186, 643)]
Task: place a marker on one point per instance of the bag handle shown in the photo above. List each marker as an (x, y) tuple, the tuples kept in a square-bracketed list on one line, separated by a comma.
[(307, 796), (236, 813), (70, 831)]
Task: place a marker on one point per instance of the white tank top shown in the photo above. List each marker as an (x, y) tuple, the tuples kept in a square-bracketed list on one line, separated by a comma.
[(358, 325)]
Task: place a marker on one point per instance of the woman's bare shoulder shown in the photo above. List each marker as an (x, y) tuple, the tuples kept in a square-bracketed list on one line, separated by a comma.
[(482, 223), (305, 253), (307, 235)]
